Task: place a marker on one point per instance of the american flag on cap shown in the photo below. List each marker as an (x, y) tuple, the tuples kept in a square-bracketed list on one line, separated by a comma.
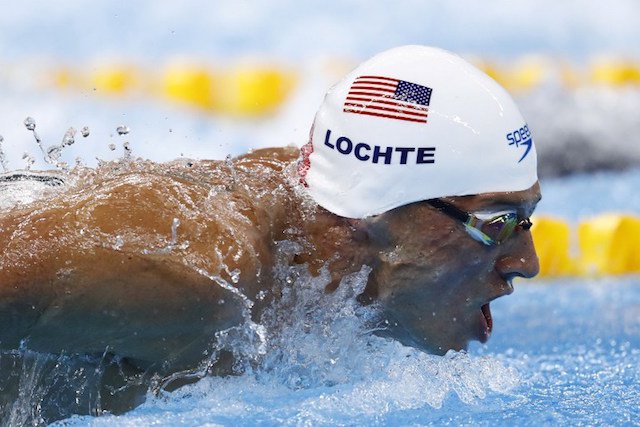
[(388, 98)]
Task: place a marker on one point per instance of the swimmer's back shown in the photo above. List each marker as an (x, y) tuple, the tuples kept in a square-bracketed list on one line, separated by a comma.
[(136, 261)]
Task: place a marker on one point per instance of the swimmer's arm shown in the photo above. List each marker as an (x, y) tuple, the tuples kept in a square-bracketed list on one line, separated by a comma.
[(63, 288), (148, 309)]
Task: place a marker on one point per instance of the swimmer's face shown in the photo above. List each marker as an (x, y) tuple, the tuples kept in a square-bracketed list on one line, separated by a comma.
[(434, 281)]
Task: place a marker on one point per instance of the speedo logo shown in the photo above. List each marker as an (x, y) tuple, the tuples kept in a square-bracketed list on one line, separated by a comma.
[(381, 155), (521, 137)]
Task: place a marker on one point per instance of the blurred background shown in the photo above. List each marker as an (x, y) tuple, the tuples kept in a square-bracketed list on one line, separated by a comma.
[(207, 79), (210, 78)]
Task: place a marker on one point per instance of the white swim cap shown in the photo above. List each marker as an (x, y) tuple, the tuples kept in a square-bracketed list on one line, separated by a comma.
[(414, 123)]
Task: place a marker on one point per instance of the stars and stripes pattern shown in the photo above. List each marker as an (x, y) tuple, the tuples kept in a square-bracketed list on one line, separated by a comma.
[(389, 98)]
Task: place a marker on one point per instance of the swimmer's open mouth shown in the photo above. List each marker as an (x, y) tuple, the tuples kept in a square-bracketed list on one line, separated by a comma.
[(488, 326)]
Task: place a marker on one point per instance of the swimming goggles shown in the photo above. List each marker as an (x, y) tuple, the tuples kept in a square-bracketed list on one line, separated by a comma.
[(490, 229)]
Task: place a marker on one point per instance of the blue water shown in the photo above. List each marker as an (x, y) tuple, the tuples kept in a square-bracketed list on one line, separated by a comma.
[(581, 196), (320, 41), (562, 353), (292, 29)]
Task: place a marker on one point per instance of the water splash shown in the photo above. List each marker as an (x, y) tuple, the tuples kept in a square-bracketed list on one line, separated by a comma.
[(175, 223), (69, 137), (127, 151), (235, 276), (118, 243), (30, 124), (232, 172), (46, 387), (52, 153), (3, 159), (172, 243), (29, 161), (317, 344), (320, 365), (247, 343), (121, 131), (311, 352)]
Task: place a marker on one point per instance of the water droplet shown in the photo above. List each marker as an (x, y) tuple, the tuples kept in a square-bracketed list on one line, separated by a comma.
[(38, 140), (3, 160), (69, 137), (118, 243), (122, 130), (261, 295), (235, 276), (30, 123), (85, 131), (127, 150), (29, 160), (174, 230), (53, 154), (289, 280), (112, 147)]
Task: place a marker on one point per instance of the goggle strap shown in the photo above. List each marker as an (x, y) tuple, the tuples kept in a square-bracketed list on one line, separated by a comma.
[(525, 224), (450, 210)]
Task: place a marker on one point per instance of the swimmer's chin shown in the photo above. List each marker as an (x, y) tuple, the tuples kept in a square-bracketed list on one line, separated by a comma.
[(444, 349), (424, 345)]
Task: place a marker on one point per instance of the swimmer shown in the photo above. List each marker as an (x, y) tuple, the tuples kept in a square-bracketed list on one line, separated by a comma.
[(419, 166)]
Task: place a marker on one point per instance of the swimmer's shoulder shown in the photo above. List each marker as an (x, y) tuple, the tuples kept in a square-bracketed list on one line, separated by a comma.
[(277, 158), (212, 172)]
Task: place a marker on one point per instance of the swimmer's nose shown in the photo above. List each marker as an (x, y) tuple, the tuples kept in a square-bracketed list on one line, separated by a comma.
[(520, 257)]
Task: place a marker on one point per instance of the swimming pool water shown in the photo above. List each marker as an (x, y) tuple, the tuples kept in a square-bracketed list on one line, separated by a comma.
[(562, 353)]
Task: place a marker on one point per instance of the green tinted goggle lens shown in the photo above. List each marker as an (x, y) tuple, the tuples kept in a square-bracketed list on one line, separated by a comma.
[(494, 230), (490, 230)]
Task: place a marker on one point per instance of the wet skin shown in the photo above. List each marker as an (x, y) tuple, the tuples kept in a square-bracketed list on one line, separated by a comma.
[(67, 285), (435, 282)]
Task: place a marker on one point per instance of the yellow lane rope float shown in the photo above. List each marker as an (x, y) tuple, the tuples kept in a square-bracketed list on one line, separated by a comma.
[(241, 90), (607, 244), (258, 88)]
